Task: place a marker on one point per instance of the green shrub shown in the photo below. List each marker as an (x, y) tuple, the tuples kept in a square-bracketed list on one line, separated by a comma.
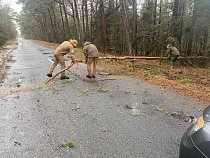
[(3, 38), (185, 80)]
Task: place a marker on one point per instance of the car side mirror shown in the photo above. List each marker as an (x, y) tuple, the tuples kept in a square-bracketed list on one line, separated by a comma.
[(206, 114)]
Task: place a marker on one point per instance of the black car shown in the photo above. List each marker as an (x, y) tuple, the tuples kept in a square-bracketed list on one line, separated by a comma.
[(195, 142)]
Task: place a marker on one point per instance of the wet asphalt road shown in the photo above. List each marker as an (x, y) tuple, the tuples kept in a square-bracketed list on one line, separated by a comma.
[(107, 117)]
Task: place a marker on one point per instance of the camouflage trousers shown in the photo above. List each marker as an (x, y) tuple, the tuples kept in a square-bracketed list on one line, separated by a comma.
[(173, 59)]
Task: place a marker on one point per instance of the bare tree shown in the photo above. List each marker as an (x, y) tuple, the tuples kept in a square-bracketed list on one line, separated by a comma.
[(79, 29), (134, 31), (86, 20), (175, 25), (155, 13), (61, 14), (104, 26), (66, 17), (126, 26)]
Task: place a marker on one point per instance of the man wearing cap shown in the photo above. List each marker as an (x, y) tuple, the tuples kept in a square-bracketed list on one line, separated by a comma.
[(91, 54), (173, 53), (67, 47)]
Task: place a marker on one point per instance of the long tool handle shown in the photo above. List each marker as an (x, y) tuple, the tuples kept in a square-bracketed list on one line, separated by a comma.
[(59, 73)]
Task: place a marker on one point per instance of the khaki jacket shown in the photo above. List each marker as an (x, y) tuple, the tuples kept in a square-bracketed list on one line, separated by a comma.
[(91, 50), (172, 51), (65, 48)]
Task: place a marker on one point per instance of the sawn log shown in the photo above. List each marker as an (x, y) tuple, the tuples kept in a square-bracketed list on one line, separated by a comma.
[(150, 58), (134, 57)]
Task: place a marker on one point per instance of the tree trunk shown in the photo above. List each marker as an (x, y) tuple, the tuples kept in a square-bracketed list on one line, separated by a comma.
[(160, 12), (134, 31), (91, 20), (66, 17), (55, 23), (104, 27), (87, 37), (48, 30), (83, 21), (191, 34), (174, 17), (176, 25), (74, 16), (52, 25), (43, 28), (79, 29), (126, 27), (155, 13), (61, 14)]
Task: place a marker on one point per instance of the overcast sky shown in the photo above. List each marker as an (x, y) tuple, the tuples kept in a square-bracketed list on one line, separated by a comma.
[(16, 7), (12, 4)]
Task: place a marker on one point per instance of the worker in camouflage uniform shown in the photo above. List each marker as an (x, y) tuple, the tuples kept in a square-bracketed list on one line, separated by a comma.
[(91, 55), (173, 54), (67, 47)]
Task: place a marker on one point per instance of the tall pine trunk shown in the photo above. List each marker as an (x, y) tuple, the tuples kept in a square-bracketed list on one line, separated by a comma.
[(104, 27), (61, 14), (191, 34), (66, 17), (134, 30), (87, 36), (176, 25), (78, 21), (126, 27)]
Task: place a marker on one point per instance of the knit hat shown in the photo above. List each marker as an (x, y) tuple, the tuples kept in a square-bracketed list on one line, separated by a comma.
[(169, 45), (86, 43)]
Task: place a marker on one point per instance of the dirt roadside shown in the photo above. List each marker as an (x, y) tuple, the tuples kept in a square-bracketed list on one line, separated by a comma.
[(187, 81), (4, 56)]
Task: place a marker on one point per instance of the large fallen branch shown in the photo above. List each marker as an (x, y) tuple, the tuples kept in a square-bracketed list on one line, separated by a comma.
[(132, 57), (58, 73), (149, 58)]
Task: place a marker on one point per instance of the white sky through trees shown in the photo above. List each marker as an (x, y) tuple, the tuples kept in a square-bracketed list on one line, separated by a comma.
[(12, 4), (16, 7)]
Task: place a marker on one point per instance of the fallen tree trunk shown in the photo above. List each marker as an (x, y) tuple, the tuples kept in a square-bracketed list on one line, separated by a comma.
[(150, 58), (132, 57)]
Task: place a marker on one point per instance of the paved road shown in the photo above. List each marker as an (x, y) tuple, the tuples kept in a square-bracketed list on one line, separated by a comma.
[(107, 117)]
